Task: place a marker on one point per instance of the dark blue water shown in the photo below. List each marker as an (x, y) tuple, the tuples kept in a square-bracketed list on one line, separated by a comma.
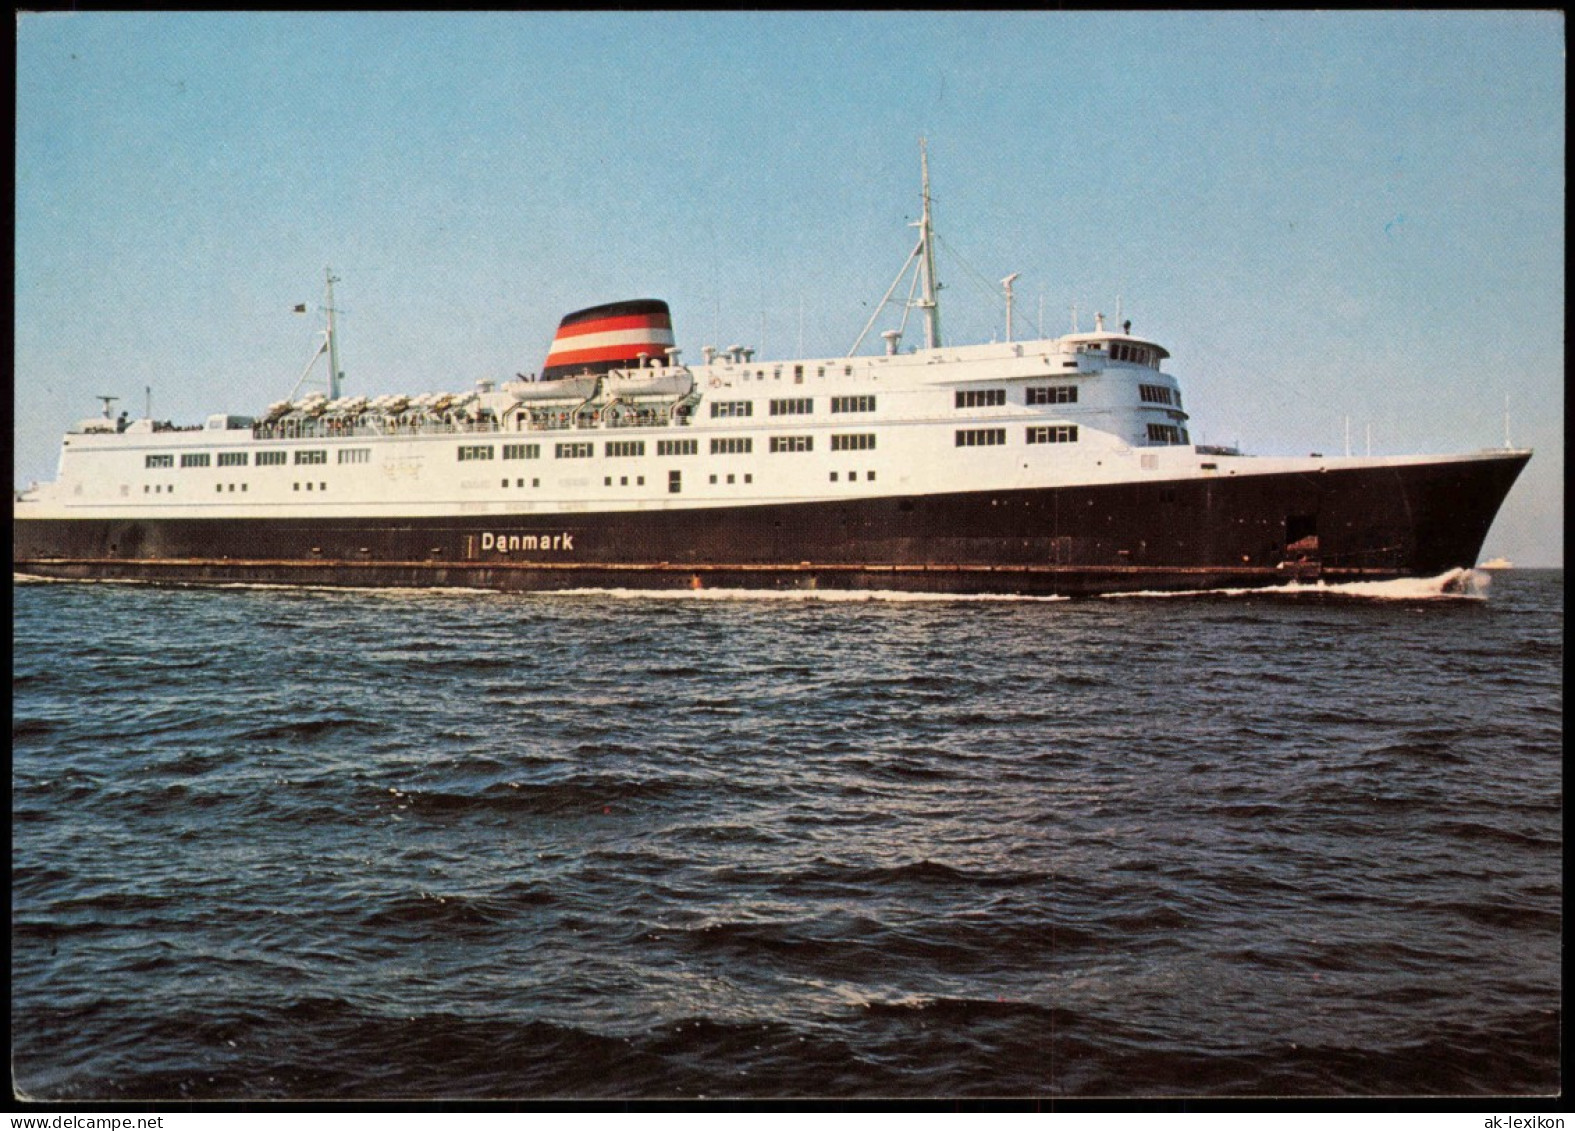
[(271, 843)]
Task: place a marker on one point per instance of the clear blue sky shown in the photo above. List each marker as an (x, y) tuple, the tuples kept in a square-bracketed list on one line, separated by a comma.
[(1320, 215)]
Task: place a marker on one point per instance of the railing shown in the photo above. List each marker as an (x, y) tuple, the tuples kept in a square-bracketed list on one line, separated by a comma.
[(337, 429)]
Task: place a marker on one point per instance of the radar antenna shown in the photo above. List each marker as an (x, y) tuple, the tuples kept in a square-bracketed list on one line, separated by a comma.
[(109, 412)]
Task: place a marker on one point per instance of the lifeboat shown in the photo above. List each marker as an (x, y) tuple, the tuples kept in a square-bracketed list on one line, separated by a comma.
[(655, 381), (566, 389)]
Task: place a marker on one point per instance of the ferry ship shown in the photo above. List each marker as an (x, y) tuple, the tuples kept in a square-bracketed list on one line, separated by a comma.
[(1051, 466)]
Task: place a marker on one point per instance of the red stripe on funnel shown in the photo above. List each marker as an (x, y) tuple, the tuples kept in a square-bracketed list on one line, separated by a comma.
[(605, 353), (627, 322)]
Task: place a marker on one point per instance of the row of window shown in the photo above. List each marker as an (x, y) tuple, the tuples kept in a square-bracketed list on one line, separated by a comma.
[(792, 406), (1034, 395), (1166, 434), (627, 449), (1123, 351), (1052, 394), (1158, 394), (980, 437), (622, 449), (1036, 434), (264, 459)]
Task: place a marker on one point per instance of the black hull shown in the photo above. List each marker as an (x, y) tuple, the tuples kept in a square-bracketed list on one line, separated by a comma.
[(1416, 520)]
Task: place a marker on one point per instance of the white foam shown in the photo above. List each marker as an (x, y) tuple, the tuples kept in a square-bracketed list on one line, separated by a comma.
[(411, 591), (1454, 585), (1451, 585)]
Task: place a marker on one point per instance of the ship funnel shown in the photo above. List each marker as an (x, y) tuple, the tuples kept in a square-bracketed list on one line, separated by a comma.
[(892, 338), (616, 335)]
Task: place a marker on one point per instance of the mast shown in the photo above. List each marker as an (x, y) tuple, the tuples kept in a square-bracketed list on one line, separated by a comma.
[(921, 262), (927, 303), (334, 375)]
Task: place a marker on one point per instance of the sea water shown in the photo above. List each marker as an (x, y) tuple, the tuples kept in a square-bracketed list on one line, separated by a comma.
[(274, 843)]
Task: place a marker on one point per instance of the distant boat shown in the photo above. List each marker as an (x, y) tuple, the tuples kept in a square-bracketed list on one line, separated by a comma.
[(1497, 563)]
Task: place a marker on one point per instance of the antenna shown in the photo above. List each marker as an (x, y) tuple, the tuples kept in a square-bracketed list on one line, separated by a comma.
[(1006, 285), (1347, 435), (108, 401), (1507, 444)]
